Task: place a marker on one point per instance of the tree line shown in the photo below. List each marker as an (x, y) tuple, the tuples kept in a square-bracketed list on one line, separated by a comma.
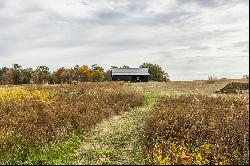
[(17, 75)]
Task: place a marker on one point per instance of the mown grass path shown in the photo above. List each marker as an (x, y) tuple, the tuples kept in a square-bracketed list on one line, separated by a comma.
[(117, 140)]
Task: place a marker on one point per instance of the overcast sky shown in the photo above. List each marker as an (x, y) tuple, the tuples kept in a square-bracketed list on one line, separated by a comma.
[(190, 39)]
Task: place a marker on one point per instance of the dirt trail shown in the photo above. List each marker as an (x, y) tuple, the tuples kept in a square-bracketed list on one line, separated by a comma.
[(117, 140)]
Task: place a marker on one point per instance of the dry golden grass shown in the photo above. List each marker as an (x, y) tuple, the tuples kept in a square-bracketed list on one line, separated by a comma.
[(184, 87)]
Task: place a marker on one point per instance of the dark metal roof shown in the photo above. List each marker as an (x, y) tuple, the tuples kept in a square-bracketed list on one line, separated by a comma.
[(130, 71)]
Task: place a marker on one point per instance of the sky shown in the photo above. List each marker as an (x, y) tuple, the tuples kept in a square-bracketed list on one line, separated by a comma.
[(189, 39)]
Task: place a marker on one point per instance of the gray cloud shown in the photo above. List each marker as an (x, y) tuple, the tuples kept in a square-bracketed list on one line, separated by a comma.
[(190, 39), (205, 3), (213, 3)]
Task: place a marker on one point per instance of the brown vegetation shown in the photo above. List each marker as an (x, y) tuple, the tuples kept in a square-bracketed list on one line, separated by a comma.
[(197, 129), (192, 126), (185, 87), (37, 115), (235, 87)]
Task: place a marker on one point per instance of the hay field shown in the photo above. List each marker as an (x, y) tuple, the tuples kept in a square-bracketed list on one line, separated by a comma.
[(183, 87)]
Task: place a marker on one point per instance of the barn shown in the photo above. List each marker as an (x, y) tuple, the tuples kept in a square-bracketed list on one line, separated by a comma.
[(130, 74)]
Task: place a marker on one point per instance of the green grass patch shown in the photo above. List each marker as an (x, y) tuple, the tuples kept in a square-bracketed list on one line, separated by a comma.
[(57, 154)]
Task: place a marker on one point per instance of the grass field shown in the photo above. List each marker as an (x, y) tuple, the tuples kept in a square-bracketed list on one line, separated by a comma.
[(182, 122), (183, 87)]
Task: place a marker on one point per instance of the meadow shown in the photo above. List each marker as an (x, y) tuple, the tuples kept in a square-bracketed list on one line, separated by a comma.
[(182, 122), (197, 129), (34, 116)]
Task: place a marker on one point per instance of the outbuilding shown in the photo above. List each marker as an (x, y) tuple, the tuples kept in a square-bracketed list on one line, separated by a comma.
[(130, 74)]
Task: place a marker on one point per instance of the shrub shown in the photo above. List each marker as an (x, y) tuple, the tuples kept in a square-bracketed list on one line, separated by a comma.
[(38, 115), (245, 77), (211, 79), (234, 87), (198, 129)]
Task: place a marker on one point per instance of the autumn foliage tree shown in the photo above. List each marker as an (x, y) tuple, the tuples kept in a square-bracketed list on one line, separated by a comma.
[(17, 75), (58, 75), (7, 76), (85, 71)]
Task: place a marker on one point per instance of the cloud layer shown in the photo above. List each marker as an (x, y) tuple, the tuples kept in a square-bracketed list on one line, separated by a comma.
[(190, 39)]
